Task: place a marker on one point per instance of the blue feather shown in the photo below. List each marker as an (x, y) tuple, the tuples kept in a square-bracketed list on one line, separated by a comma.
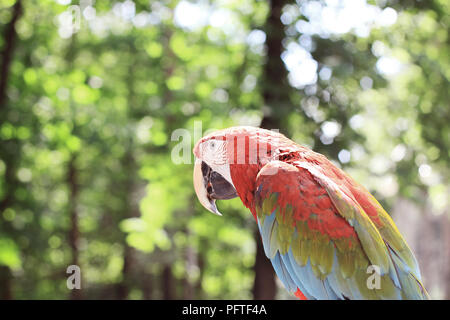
[(283, 273), (266, 231), (286, 258)]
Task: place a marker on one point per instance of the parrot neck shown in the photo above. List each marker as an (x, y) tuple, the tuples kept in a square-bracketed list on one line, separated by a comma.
[(244, 180)]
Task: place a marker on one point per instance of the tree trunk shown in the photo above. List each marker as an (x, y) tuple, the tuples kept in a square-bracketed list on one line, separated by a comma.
[(168, 283), (9, 38), (191, 263), (275, 88), (123, 288), (5, 283), (201, 267), (264, 286), (131, 204), (275, 91), (130, 210), (147, 286)]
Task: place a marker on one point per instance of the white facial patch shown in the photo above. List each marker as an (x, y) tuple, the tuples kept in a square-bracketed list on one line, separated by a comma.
[(214, 153)]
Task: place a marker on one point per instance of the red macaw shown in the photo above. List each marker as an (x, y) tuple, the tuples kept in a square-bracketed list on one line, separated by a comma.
[(324, 233)]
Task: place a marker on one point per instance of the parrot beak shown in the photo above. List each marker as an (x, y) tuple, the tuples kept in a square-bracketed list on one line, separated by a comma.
[(210, 185), (200, 189)]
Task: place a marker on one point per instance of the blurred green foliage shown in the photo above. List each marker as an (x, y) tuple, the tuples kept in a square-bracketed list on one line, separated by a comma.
[(88, 115)]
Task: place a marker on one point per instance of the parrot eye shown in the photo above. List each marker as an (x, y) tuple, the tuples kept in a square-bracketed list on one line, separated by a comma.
[(212, 144)]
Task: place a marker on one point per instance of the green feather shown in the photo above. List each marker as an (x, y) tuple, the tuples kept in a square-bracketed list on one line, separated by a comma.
[(285, 229)]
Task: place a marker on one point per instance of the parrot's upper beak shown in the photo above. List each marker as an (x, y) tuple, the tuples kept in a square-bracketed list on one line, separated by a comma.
[(210, 185)]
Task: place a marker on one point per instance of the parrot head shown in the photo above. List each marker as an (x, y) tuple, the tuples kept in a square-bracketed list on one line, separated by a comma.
[(212, 175), (218, 154)]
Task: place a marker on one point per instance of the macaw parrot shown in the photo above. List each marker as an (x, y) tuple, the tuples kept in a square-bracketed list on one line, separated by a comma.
[(325, 235)]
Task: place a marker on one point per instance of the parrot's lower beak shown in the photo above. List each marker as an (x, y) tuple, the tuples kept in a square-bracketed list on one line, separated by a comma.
[(210, 185)]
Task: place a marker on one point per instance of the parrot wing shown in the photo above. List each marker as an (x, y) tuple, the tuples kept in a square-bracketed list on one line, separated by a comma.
[(321, 241)]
